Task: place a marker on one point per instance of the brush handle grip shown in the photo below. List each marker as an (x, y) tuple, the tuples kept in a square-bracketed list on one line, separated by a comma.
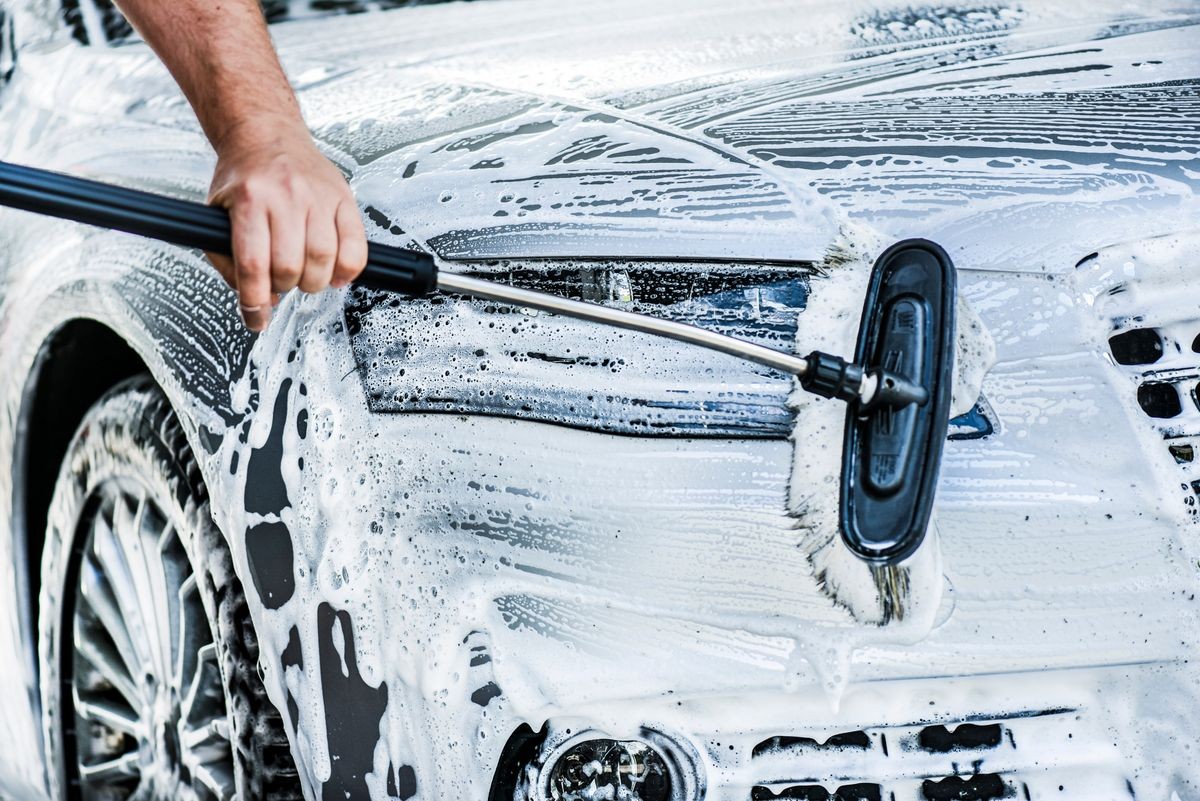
[(182, 222)]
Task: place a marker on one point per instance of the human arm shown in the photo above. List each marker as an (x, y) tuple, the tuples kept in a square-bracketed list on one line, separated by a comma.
[(295, 221)]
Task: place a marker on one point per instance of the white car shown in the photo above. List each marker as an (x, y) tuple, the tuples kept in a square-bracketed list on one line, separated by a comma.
[(446, 549)]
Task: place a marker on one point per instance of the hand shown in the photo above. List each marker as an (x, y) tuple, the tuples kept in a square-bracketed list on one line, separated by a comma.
[(295, 221)]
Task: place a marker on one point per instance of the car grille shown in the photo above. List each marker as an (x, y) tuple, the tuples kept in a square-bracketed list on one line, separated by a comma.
[(1029, 755), (1150, 307)]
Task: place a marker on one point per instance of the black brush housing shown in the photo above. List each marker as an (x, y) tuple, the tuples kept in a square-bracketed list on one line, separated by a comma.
[(892, 455)]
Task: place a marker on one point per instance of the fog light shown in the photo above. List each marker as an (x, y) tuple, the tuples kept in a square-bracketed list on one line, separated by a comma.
[(615, 770)]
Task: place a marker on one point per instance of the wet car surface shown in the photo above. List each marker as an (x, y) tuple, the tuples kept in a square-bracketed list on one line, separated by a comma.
[(477, 540)]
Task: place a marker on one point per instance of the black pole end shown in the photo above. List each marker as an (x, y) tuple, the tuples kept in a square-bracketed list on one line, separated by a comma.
[(832, 377)]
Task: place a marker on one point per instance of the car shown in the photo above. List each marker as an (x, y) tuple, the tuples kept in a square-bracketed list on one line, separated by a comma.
[(443, 548)]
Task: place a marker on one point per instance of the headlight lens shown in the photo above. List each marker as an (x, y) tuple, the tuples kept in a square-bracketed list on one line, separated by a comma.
[(622, 770), (464, 356)]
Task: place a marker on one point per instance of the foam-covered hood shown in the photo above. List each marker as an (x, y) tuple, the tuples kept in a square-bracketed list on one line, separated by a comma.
[(1018, 137)]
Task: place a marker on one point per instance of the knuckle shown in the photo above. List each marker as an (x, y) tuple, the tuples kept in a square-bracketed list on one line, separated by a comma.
[(294, 184), (321, 253), (288, 270), (311, 283), (249, 190), (239, 197), (250, 266), (349, 264)]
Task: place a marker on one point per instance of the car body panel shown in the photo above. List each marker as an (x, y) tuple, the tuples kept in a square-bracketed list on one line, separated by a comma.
[(426, 579)]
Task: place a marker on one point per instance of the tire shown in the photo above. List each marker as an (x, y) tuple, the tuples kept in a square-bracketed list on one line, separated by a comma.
[(150, 685)]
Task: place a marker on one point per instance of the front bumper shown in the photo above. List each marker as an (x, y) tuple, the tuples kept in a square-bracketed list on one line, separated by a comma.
[(1111, 733)]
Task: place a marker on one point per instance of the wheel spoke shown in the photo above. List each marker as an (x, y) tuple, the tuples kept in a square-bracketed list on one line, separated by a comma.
[(220, 728), (164, 581), (113, 558), (206, 677), (205, 736), (192, 627), (97, 594), (207, 754), (178, 588), (106, 713), (94, 646), (113, 563), (146, 579), (125, 766)]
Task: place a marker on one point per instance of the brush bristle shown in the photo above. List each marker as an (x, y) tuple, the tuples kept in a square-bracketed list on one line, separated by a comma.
[(880, 595)]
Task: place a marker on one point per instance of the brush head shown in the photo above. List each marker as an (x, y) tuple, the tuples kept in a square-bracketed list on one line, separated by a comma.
[(892, 453)]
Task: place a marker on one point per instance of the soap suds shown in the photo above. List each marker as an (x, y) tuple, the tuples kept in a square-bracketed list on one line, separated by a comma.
[(633, 580), (974, 355)]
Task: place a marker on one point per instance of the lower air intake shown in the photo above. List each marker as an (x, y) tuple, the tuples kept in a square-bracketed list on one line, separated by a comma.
[(978, 759)]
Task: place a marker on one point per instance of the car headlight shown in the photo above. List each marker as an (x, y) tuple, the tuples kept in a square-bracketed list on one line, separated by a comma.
[(465, 356)]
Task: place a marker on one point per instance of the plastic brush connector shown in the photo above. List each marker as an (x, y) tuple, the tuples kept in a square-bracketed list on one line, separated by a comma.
[(833, 377), (893, 390)]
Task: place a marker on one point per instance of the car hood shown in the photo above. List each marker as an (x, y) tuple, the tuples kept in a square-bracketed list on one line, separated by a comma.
[(1020, 138)]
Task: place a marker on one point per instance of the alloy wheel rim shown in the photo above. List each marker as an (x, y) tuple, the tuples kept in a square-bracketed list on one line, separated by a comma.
[(144, 705)]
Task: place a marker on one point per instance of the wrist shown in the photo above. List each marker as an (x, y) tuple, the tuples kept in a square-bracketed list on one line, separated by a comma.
[(258, 130)]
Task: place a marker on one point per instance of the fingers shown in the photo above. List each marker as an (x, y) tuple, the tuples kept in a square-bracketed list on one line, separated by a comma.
[(289, 221), (309, 250), (295, 224), (226, 269), (352, 244), (321, 249), (252, 252)]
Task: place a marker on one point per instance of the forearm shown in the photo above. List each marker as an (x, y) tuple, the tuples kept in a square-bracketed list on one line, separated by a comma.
[(294, 221), (220, 54)]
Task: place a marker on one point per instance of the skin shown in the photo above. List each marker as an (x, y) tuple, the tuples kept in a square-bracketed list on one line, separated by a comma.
[(295, 220)]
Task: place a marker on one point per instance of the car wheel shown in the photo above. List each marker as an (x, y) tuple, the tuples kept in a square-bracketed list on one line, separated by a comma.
[(150, 686)]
